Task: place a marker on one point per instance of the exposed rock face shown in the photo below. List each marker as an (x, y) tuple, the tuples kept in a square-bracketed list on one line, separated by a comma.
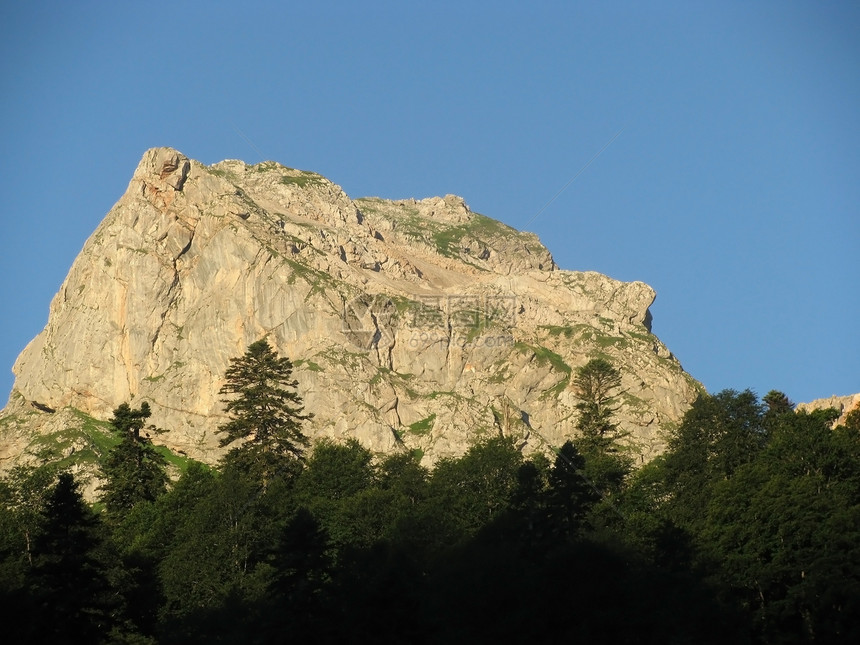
[(842, 404), (413, 325)]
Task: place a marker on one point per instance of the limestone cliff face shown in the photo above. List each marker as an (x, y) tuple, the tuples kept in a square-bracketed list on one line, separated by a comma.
[(413, 325)]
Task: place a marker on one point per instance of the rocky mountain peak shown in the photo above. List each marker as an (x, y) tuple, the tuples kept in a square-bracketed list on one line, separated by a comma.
[(414, 324)]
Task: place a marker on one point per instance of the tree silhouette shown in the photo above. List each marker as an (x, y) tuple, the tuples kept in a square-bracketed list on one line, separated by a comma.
[(68, 580), (593, 385)]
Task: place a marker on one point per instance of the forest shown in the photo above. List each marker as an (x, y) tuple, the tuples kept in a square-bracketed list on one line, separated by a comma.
[(745, 530)]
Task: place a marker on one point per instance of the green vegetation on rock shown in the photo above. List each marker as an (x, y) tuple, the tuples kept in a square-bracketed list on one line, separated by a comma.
[(304, 180), (422, 426)]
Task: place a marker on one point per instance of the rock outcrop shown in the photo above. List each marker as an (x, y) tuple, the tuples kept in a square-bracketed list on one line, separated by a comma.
[(842, 404), (413, 324)]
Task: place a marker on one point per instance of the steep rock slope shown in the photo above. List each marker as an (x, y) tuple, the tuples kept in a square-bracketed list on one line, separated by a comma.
[(414, 324)]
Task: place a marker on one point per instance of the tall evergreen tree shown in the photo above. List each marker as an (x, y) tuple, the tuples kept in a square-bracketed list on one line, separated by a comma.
[(570, 495), (266, 413), (606, 464), (133, 471), (73, 599), (594, 385), (777, 402)]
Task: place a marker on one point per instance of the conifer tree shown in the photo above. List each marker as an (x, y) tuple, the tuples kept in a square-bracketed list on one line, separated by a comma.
[(133, 471), (777, 402), (266, 413), (595, 384), (73, 599), (570, 495)]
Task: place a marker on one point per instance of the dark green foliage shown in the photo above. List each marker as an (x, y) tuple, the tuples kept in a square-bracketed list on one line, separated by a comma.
[(788, 527), (303, 570), (218, 547), (582, 592), (852, 420), (717, 435), (570, 494), (377, 596), (23, 495), (331, 487), (777, 403), (336, 471), (265, 412), (129, 422), (405, 483), (403, 474), (133, 471), (358, 503), (771, 501), (68, 581), (469, 492), (605, 462), (745, 531), (594, 385)]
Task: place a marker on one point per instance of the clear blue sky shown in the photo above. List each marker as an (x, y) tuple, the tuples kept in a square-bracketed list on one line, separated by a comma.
[(734, 188)]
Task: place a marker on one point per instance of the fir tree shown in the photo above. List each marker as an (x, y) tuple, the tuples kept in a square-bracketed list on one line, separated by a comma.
[(594, 384), (266, 413), (606, 465), (133, 471)]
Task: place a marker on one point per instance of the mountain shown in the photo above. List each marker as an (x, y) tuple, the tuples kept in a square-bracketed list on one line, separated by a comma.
[(413, 324)]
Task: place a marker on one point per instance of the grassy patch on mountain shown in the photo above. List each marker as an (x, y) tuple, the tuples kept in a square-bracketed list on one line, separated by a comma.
[(318, 281), (448, 239), (577, 331), (304, 179), (268, 166), (86, 444), (307, 364), (423, 426), (336, 355), (545, 356)]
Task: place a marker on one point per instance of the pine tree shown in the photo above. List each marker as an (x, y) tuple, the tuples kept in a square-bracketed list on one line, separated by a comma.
[(266, 413), (777, 402)]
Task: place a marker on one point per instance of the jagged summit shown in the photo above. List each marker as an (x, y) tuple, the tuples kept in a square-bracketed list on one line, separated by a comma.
[(413, 324)]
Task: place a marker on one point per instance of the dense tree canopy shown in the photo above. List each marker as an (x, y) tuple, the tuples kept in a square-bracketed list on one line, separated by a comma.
[(747, 530), (771, 500)]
